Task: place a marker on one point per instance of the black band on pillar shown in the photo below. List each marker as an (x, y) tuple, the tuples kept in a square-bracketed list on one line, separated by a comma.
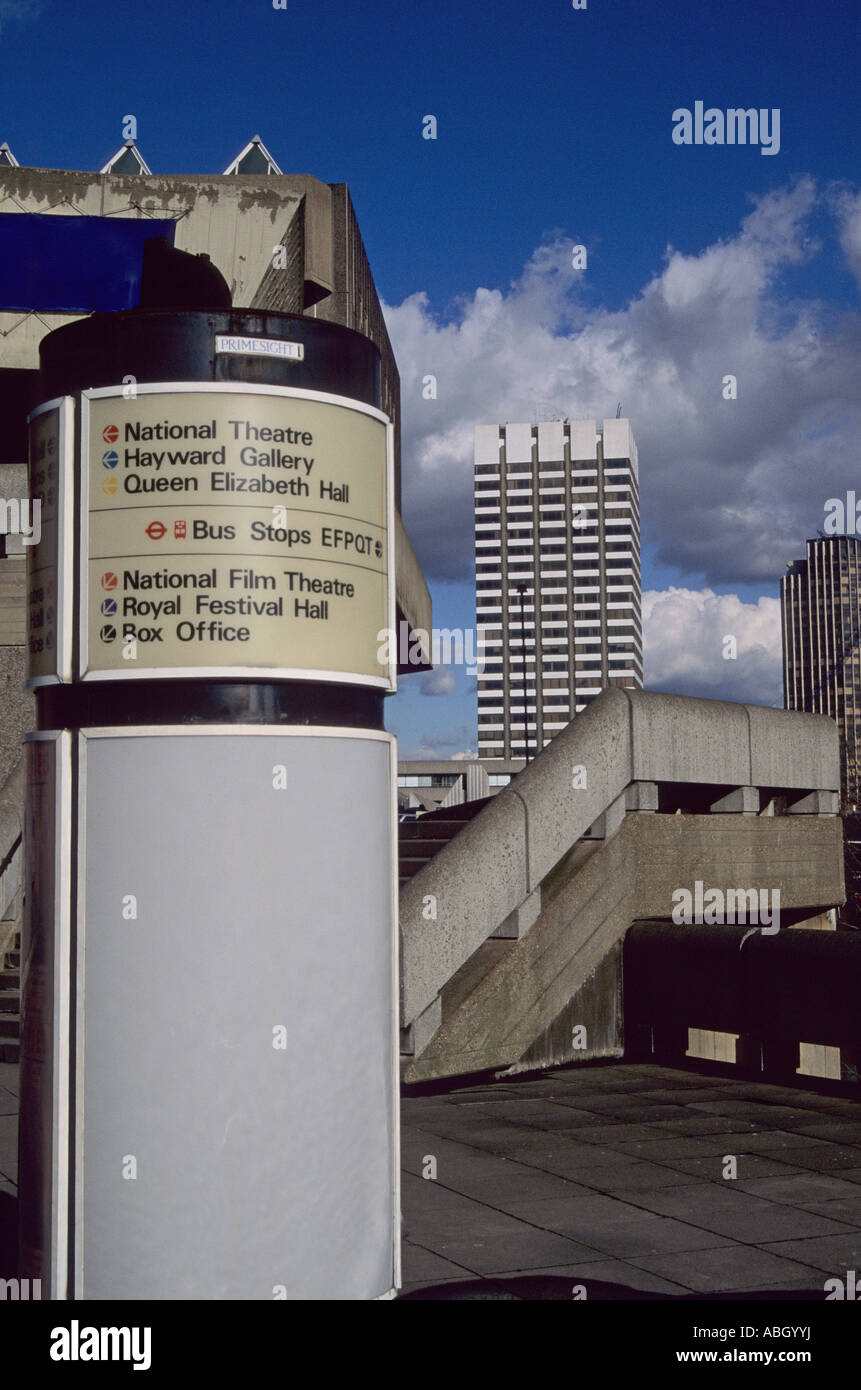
[(100, 704)]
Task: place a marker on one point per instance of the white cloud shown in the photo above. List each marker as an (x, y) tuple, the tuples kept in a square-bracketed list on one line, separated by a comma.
[(848, 212), (22, 10), (437, 745), (684, 634), (729, 489), (440, 681), (434, 751)]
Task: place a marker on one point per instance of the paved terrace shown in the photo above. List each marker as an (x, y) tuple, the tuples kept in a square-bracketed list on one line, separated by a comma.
[(610, 1176)]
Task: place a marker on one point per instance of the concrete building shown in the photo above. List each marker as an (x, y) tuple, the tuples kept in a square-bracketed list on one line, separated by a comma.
[(821, 620), (514, 918), (284, 242), (557, 562), (432, 785)]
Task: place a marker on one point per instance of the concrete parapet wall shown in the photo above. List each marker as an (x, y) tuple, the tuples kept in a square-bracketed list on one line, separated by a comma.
[(678, 739), (792, 750), (513, 1004), (459, 899), (625, 736), (558, 811)]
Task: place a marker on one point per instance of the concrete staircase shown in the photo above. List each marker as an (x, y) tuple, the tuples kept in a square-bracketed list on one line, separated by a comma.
[(10, 999), (419, 840), (512, 928), (11, 875)]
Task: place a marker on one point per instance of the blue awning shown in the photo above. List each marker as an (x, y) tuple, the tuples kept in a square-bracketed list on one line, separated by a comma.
[(73, 264)]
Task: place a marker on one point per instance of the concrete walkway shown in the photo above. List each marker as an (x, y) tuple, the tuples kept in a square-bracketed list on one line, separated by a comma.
[(611, 1177)]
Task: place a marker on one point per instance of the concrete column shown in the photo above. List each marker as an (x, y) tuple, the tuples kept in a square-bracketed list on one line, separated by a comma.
[(742, 801), (517, 923), (816, 803), (416, 1036), (642, 796), (209, 1061)]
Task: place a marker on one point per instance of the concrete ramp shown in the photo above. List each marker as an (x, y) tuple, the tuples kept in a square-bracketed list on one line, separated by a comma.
[(511, 935)]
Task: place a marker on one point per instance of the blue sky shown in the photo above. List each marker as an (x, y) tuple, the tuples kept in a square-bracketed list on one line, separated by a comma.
[(554, 128)]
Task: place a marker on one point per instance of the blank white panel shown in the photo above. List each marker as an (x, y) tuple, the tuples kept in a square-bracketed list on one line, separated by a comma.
[(256, 908), (619, 442), (584, 444), (518, 443), (487, 444), (551, 448)]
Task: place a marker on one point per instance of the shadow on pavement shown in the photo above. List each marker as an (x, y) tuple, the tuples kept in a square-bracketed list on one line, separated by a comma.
[(8, 1236), (545, 1287)]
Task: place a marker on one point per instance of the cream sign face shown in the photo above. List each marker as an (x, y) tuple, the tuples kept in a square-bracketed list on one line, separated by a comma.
[(236, 531)]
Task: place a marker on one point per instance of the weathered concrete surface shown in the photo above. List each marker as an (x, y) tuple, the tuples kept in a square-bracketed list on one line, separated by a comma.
[(624, 737), (786, 754), (17, 709), (558, 810), (678, 739), (411, 590), (590, 1026), (586, 909), (471, 892)]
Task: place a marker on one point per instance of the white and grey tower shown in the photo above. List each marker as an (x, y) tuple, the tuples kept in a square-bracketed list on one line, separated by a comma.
[(557, 563)]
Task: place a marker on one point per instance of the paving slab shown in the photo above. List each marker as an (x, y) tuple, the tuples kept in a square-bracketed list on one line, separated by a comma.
[(709, 1168), (632, 1175), (483, 1176), (845, 1209), (770, 1141), (517, 1247), (9, 1073), (828, 1158), (566, 1119), (834, 1130), (479, 1133), (753, 1220), (762, 1115), (696, 1123), (9, 1147), (420, 1266), (832, 1254), (616, 1228), (553, 1147), (613, 1132), (802, 1188), (733, 1269), (665, 1148), (615, 1273)]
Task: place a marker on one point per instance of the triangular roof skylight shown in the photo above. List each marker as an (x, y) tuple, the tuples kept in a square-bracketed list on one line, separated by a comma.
[(127, 160), (254, 159)]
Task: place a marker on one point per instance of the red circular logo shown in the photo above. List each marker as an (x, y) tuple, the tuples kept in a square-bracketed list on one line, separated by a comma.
[(110, 434), (156, 530)]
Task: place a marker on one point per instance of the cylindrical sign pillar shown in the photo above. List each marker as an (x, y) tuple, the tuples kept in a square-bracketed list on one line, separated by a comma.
[(209, 1047)]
